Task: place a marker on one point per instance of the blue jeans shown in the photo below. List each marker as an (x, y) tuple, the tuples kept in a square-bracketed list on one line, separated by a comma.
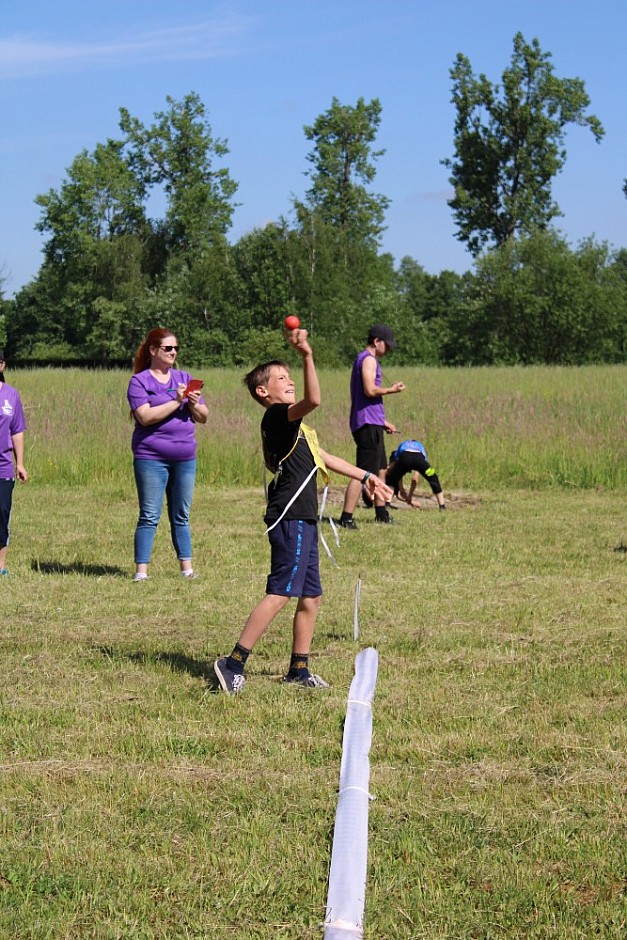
[(175, 479)]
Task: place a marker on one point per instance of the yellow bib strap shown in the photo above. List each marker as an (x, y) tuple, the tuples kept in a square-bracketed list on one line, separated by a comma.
[(312, 440)]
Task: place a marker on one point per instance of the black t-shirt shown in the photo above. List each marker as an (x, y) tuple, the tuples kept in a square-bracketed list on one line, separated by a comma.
[(279, 436)]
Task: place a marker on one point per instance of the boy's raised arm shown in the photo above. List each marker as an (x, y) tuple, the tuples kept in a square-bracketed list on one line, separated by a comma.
[(311, 392)]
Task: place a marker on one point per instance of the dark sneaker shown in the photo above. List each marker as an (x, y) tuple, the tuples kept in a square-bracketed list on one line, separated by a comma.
[(309, 682), (230, 682), (442, 507), (347, 524), (386, 520)]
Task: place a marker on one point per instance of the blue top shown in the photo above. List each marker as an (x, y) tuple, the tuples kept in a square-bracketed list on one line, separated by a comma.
[(411, 447)]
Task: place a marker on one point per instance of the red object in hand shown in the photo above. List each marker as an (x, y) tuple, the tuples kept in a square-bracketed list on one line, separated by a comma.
[(291, 323), (194, 385)]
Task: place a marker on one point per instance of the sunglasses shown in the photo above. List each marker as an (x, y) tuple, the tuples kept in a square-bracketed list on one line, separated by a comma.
[(169, 348)]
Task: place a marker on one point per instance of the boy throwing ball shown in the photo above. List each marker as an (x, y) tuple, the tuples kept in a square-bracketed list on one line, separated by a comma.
[(292, 453)]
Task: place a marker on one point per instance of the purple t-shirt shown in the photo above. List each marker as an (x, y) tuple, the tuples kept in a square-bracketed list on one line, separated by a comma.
[(11, 422), (365, 410), (174, 438)]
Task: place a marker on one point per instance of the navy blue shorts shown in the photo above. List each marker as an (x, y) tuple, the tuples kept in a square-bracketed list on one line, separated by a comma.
[(294, 562)]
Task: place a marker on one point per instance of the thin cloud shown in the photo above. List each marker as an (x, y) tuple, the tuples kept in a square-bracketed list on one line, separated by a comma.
[(437, 196), (23, 55)]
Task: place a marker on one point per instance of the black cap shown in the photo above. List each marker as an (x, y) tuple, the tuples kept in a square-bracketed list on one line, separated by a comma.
[(381, 331)]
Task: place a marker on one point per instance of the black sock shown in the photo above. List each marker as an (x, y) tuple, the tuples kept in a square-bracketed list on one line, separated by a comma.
[(381, 512), (346, 516), (299, 665), (237, 660)]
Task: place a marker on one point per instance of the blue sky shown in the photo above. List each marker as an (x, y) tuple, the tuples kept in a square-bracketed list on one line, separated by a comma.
[(265, 69)]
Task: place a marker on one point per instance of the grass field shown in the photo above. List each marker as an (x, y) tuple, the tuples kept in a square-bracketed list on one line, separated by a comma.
[(138, 802)]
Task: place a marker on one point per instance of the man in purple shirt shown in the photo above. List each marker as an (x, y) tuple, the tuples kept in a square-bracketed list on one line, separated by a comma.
[(367, 419)]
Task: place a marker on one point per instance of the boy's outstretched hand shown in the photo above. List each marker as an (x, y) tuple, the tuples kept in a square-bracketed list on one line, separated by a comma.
[(298, 339), (374, 485)]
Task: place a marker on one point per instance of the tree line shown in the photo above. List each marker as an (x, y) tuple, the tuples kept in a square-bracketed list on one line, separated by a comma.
[(110, 271)]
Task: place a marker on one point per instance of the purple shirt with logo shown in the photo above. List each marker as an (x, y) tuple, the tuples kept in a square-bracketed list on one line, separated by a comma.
[(365, 410), (174, 438), (11, 422)]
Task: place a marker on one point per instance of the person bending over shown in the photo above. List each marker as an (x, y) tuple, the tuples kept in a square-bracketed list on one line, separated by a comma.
[(411, 457)]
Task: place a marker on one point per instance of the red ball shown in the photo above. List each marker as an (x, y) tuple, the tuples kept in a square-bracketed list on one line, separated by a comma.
[(291, 323)]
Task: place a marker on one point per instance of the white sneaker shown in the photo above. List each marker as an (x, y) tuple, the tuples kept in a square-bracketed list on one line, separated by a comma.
[(140, 576)]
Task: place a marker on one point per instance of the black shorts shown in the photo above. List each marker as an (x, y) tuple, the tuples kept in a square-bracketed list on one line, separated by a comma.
[(370, 448), (408, 462)]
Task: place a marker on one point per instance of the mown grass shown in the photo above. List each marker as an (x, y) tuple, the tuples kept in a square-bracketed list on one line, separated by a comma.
[(484, 428), (138, 802)]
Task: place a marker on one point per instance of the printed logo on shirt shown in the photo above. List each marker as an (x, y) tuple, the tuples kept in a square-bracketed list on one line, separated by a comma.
[(7, 408)]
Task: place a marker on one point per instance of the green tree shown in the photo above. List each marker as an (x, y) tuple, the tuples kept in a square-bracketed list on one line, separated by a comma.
[(427, 303), (537, 301), (338, 227), (509, 144), (48, 317), (412, 283), (267, 283), (105, 264), (343, 168), (4, 310), (101, 199), (98, 248), (177, 152), (620, 263)]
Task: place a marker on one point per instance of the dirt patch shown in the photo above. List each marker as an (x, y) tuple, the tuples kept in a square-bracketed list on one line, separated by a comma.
[(454, 501)]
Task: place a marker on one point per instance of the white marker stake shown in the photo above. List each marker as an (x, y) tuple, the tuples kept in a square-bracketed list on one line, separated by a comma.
[(349, 857), (356, 614)]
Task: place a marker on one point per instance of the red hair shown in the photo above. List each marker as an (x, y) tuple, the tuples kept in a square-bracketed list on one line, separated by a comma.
[(143, 356)]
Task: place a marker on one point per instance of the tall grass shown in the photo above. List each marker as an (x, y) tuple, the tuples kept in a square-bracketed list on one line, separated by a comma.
[(484, 428)]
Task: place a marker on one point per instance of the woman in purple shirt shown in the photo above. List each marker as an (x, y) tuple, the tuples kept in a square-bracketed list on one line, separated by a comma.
[(164, 447), (12, 427)]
